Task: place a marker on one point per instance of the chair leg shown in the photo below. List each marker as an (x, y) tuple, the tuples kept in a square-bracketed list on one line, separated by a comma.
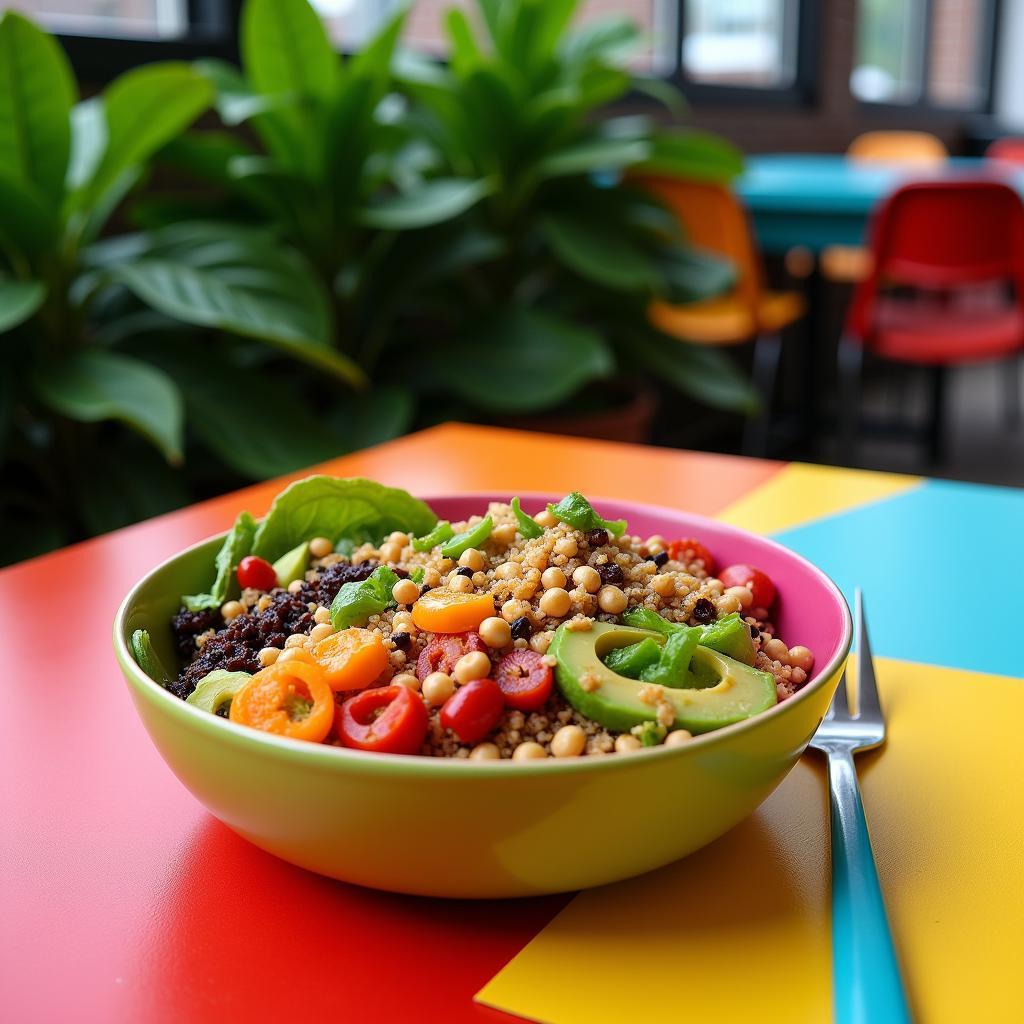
[(1011, 384), (936, 432), (851, 366), (757, 433)]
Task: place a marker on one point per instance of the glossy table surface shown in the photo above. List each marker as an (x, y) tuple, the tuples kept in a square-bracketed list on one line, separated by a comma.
[(823, 199), (124, 900)]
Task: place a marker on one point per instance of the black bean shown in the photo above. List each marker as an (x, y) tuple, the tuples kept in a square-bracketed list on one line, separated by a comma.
[(597, 538), (465, 571), (660, 558), (704, 612), (400, 640), (521, 628), (611, 574), (755, 632)]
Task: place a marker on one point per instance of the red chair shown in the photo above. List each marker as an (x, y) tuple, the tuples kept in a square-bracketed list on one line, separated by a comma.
[(1009, 150), (936, 296)]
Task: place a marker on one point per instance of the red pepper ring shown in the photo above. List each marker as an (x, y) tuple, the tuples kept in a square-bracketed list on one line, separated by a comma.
[(385, 720)]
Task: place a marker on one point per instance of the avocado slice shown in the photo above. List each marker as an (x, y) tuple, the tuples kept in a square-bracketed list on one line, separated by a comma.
[(292, 565), (730, 635), (216, 689), (613, 701)]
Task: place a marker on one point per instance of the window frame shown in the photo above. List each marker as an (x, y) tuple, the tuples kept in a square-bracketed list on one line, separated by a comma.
[(988, 56)]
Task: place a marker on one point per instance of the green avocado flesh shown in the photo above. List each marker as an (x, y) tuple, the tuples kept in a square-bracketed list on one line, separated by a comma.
[(737, 691), (292, 565), (216, 689), (730, 636)]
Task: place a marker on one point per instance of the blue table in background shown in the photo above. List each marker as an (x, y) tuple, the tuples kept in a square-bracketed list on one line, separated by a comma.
[(816, 200)]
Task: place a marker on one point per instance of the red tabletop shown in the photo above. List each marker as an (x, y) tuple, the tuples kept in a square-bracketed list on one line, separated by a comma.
[(125, 900)]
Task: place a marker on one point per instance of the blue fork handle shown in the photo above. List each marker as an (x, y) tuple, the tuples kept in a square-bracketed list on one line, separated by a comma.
[(867, 987)]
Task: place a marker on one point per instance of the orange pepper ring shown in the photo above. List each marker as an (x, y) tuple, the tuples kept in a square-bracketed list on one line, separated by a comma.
[(261, 703)]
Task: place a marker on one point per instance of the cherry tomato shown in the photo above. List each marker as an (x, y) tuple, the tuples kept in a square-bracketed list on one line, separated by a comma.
[(444, 650), (524, 680), (688, 549), (386, 720), (257, 573), (747, 576), (473, 710)]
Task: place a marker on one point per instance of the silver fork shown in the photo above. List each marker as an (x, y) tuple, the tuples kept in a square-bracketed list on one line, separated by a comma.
[(866, 983)]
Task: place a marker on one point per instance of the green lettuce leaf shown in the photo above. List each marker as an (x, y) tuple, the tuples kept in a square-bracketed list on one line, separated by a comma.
[(327, 506), (575, 510), (528, 526), (357, 601), (237, 544), (146, 658)]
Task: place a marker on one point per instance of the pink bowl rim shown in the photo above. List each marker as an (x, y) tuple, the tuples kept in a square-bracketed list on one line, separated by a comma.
[(418, 764)]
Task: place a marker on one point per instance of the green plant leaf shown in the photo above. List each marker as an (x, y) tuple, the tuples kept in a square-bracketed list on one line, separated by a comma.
[(463, 48), (601, 253), (430, 203), (145, 108), (664, 92), (373, 59), (88, 141), (690, 275), (593, 156), (613, 39), (208, 156), (36, 97), (372, 417), (92, 385), (27, 222), (696, 156), (285, 49), (18, 301), (237, 544), (704, 373), (236, 100), (518, 360)]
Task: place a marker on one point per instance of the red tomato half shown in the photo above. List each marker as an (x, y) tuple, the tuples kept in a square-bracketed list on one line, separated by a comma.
[(687, 549), (256, 572), (473, 710), (524, 680), (385, 720), (747, 576), (441, 653)]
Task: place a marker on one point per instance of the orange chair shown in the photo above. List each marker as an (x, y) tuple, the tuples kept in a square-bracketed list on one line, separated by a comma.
[(1009, 150), (714, 220), (847, 264)]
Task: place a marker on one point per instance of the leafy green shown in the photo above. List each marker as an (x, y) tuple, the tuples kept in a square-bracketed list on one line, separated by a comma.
[(327, 506), (527, 525), (575, 510), (471, 538), (438, 535), (18, 301), (355, 602), (674, 660), (216, 689), (237, 544), (630, 661), (146, 658), (431, 203), (650, 734), (417, 574)]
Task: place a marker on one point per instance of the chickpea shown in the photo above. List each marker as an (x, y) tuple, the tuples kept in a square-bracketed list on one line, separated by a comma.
[(664, 585), (557, 602), (292, 654), (545, 518), (263, 603), (587, 577), (552, 578), (322, 614), (296, 640), (406, 679), (540, 642), (569, 741), (402, 623), (485, 752), (799, 676), (503, 535), (432, 578), (460, 584), (655, 544), (405, 592), (742, 594), (528, 751), (320, 547), (611, 599), (626, 744), (399, 538), (801, 657), (390, 552), (506, 570), (512, 610), (727, 604), (495, 632), (678, 737), (321, 631), (438, 687), (295, 586), (525, 590), (566, 546), (268, 656), (472, 559), (777, 650), (479, 579), (474, 665), (231, 610)]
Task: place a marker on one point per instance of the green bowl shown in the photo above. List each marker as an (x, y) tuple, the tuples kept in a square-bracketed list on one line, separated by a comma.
[(440, 827)]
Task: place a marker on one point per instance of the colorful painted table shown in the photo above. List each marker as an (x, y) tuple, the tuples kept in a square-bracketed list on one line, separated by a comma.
[(125, 901), (815, 200)]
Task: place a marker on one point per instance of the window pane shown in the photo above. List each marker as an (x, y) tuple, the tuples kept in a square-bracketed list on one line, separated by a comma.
[(741, 42), (954, 66), (887, 62), (157, 19), (352, 22)]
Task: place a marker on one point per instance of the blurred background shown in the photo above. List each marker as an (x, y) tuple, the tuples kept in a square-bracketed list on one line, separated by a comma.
[(238, 237)]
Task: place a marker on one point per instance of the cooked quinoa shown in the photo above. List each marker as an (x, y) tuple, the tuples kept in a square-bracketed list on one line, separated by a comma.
[(564, 576)]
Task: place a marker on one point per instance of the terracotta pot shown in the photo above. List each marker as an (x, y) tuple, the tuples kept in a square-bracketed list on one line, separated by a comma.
[(626, 413)]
